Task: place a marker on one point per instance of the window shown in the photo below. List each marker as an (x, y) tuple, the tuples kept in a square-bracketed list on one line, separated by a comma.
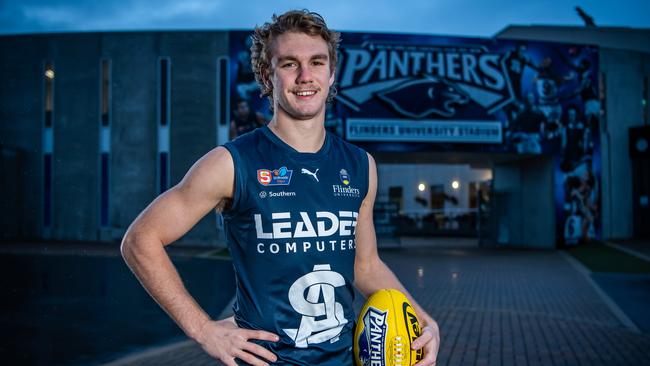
[(644, 100), (49, 92), (479, 193), (104, 141), (395, 195), (164, 88), (48, 141), (223, 114), (106, 92), (437, 196)]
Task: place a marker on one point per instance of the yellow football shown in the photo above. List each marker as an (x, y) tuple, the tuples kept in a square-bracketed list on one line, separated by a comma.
[(386, 327)]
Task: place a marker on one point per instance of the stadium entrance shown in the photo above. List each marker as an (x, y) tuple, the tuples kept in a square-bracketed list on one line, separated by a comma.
[(478, 200)]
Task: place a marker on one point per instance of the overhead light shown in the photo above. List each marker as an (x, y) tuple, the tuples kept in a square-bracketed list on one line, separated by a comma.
[(455, 184), (421, 187)]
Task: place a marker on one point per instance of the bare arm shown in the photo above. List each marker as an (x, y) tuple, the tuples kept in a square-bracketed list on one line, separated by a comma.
[(165, 220), (372, 274), (208, 184)]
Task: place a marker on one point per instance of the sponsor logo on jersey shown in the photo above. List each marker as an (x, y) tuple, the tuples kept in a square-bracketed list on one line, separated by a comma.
[(345, 191), (327, 224), (371, 339), (276, 177), (312, 296), (345, 177), (271, 194), (308, 172), (327, 232)]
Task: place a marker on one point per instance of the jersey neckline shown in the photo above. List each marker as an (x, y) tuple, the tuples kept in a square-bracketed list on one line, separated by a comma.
[(293, 153)]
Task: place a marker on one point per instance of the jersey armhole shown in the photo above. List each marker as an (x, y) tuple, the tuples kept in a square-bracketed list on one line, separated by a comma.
[(366, 162), (239, 181)]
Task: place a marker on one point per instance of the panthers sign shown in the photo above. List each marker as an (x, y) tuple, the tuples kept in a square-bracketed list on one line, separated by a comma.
[(423, 81), (401, 92)]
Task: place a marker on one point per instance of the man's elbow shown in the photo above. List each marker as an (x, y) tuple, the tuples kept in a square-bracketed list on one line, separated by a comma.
[(127, 247), (364, 269), (134, 245)]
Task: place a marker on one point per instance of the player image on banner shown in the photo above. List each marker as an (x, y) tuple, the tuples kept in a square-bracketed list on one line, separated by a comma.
[(580, 186), (243, 119)]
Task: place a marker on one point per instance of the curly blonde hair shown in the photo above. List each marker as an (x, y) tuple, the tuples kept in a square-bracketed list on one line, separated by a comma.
[(300, 21)]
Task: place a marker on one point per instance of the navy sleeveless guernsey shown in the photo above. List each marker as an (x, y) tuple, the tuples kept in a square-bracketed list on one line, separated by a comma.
[(290, 231)]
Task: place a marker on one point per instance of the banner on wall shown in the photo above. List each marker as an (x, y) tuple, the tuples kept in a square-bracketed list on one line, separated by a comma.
[(406, 93)]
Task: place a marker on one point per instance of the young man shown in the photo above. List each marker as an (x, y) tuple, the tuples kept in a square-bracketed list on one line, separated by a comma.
[(298, 209)]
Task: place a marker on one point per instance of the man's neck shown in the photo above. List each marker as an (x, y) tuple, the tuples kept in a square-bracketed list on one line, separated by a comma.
[(307, 136)]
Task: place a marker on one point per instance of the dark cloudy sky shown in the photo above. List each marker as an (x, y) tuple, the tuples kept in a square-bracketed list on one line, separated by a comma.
[(451, 17)]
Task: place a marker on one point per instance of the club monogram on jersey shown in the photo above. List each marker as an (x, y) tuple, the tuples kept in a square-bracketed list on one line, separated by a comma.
[(304, 296)]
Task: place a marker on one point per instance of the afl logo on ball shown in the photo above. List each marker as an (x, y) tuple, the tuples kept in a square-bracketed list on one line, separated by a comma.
[(412, 326)]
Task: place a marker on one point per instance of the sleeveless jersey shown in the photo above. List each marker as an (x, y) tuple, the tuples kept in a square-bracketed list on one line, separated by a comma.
[(291, 234)]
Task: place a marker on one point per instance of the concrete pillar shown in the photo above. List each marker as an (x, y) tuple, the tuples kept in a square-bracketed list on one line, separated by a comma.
[(524, 208), (133, 126), (76, 142), (623, 72)]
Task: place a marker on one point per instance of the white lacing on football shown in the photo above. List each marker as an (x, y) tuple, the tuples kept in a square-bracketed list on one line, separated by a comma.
[(398, 356)]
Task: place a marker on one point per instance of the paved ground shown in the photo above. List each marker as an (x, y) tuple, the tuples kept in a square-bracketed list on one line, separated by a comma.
[(79, 304), (496, 307)]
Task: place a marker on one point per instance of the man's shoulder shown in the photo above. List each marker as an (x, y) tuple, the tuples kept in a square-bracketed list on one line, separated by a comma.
[(247, 140), (346, 146)]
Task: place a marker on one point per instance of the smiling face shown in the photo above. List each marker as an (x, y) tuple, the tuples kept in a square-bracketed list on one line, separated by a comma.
[(301, 75)]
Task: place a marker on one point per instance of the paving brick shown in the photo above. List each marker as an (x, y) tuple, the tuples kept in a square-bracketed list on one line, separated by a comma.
[(500, 307)]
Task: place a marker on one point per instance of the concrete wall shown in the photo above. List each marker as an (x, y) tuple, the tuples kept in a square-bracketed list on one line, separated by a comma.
[(624, 71), (21, 118), (610, 37), (194, 110), (523, 210), (76, 137), (134, 57)]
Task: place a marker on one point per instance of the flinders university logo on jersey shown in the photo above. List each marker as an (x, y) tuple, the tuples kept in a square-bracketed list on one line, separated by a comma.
[(371, 348), (345, 177), (276, 177), (423, 81), (321, 316)]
